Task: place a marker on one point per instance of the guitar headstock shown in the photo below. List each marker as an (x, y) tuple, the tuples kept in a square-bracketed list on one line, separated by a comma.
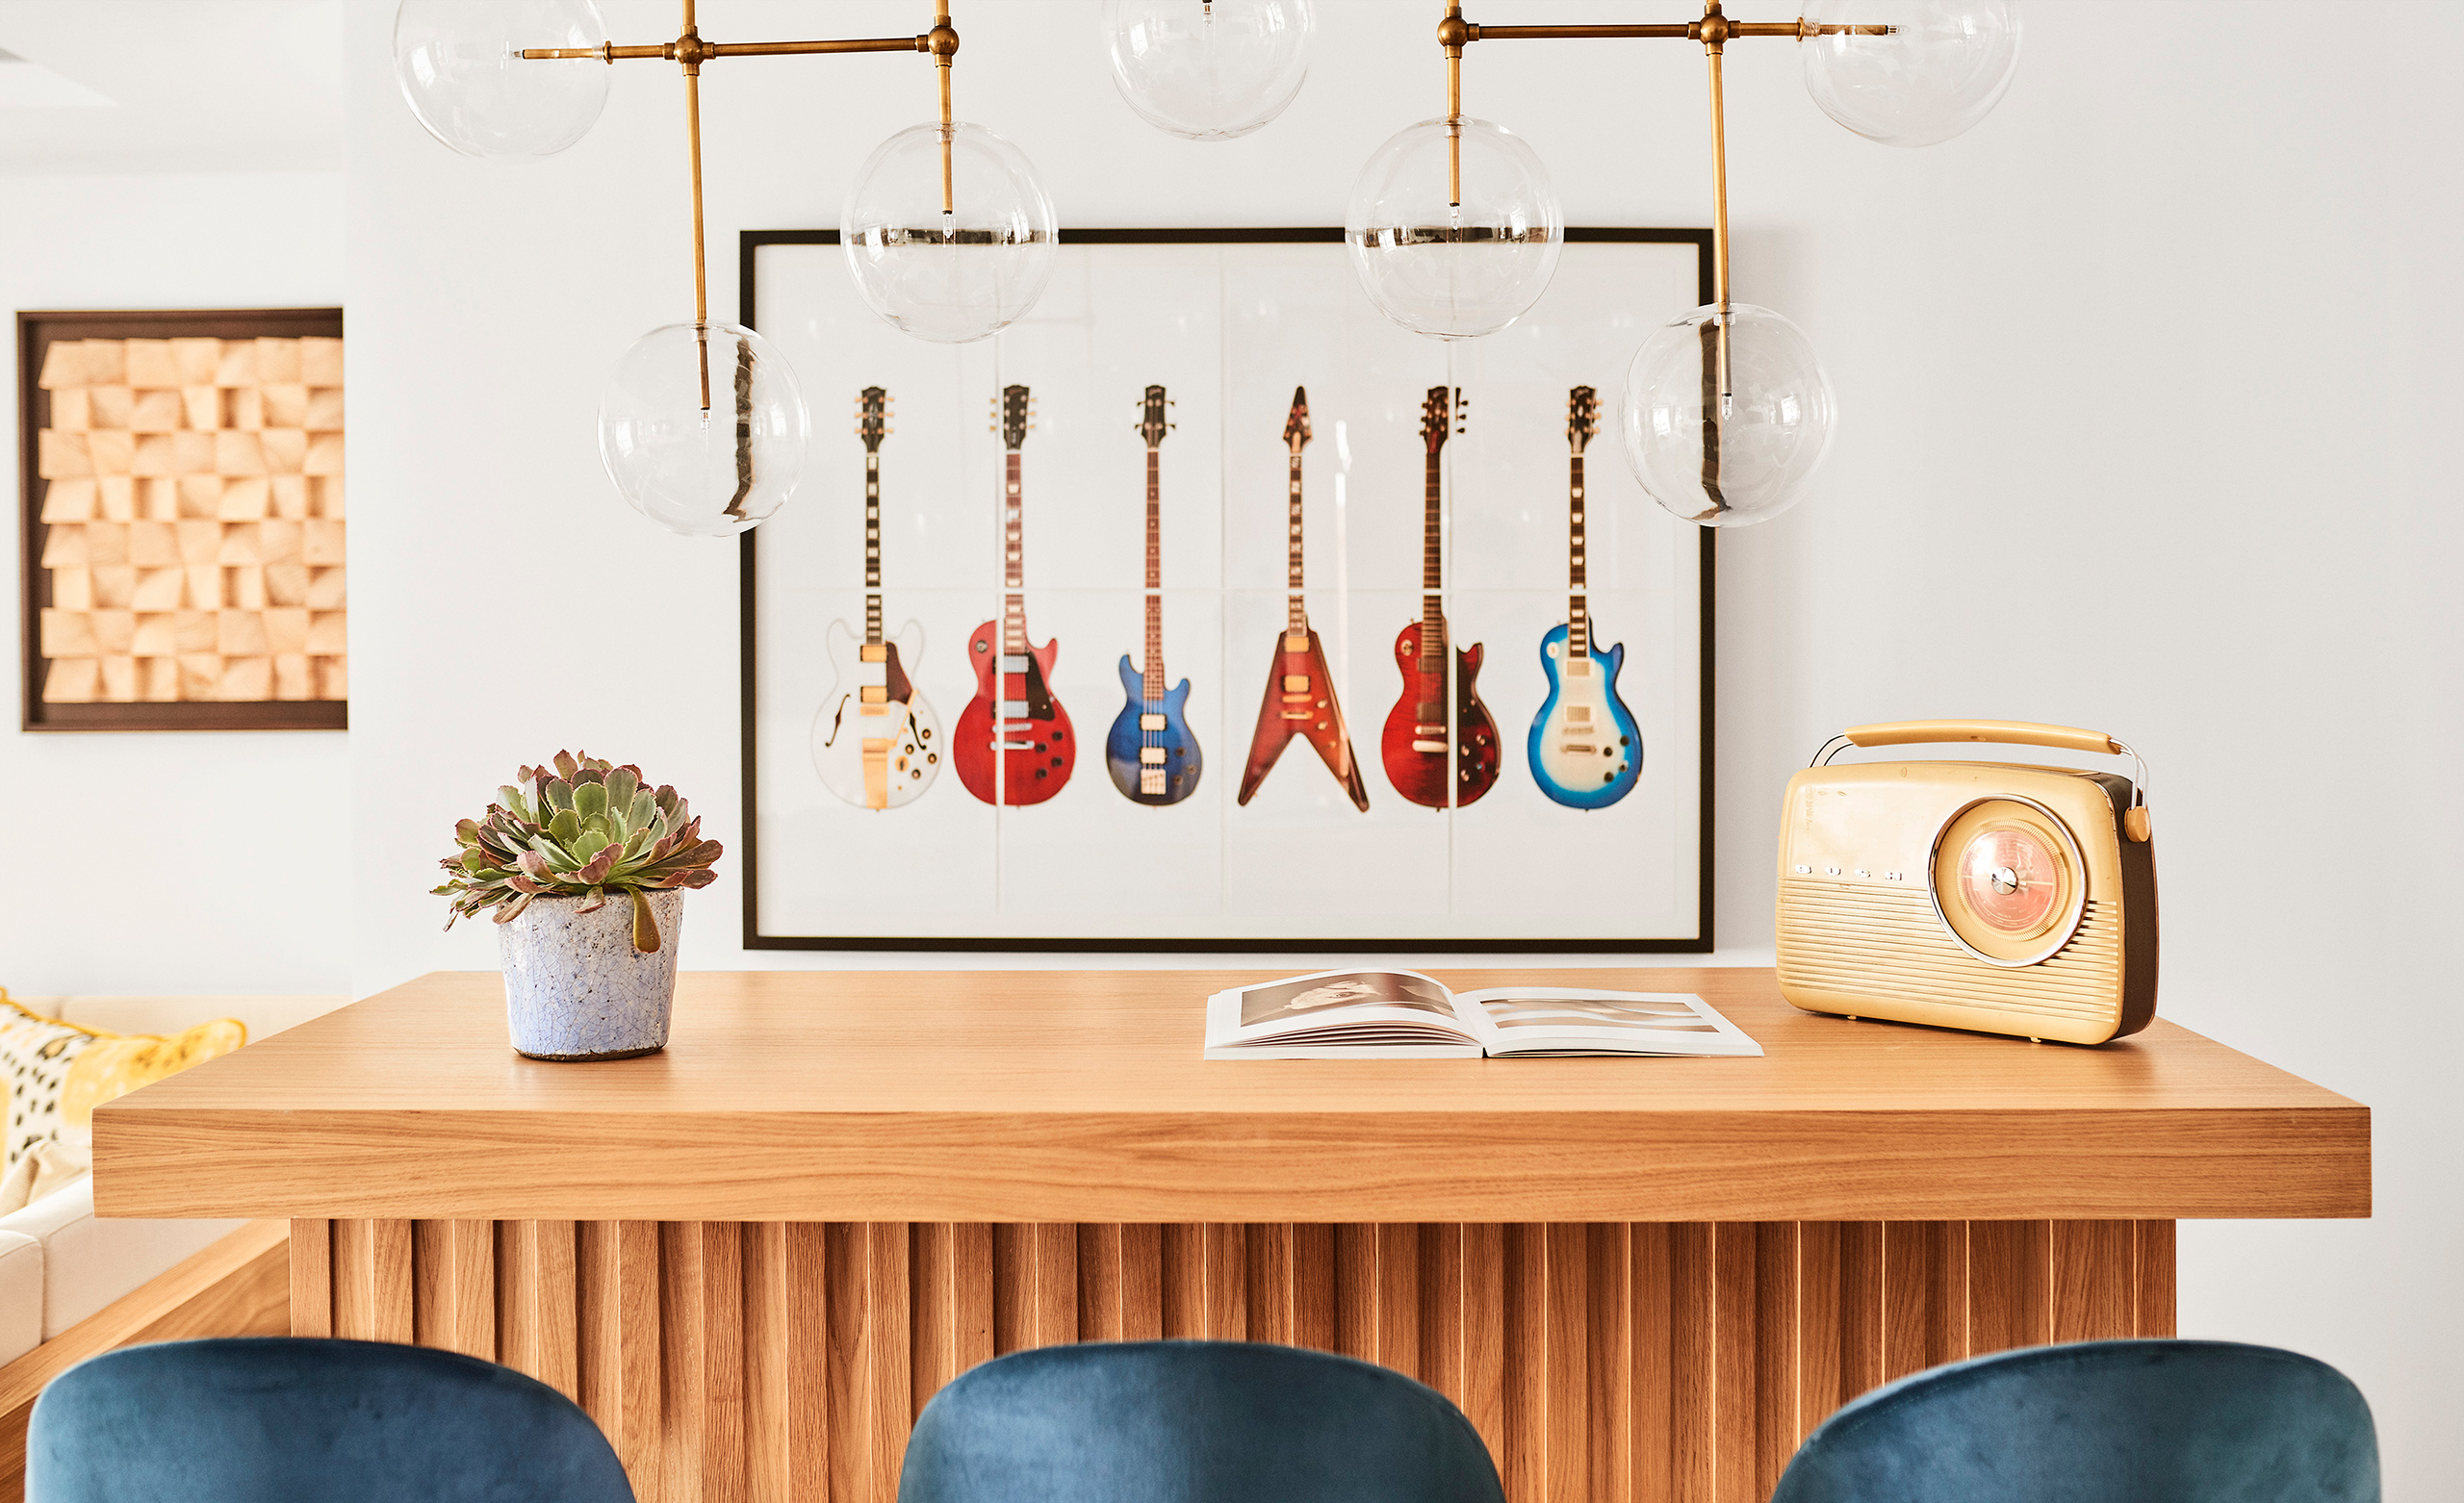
[(1443, 413), (1296, 428), (1012, 416), (1582, 416), (872, 418), (1152, 424)]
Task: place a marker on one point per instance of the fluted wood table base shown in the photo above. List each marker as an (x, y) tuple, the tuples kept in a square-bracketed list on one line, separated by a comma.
[(785, 1361)]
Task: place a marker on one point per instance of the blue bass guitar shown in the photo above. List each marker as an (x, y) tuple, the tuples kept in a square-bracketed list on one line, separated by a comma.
[(1150, 753), (1587, 752)]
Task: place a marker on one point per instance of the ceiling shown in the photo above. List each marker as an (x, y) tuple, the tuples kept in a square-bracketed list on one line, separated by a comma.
[(170, 85)]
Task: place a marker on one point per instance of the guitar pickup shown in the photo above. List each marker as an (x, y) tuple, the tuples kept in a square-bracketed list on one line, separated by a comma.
[(1013, 709), (873, 652), (1429, 746), (1576, 748), (1578, 714), (1296, 715), (875, 694), (1151, 722), (1152, 757), (1296, 683), (1016, 663)]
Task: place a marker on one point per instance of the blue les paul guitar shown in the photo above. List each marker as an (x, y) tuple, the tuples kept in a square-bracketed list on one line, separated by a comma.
[(1586, 752), (1150, 753)]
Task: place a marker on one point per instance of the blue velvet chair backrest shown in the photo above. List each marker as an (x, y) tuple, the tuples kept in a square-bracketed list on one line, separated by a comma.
[(2099, 1422), (1192, 1423), (283, 1420)]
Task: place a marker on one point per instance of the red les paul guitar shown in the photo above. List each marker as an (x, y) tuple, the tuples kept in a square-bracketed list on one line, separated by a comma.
[(1440, 746), (1014, 744)]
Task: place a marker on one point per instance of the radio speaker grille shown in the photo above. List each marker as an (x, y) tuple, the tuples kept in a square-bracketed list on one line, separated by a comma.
[(1866, 941)]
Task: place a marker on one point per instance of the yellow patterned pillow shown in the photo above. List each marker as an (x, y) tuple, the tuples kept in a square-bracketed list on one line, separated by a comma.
[(59, 1073)]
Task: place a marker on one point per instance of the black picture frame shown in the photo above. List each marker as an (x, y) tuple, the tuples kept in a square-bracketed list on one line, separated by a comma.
[(37, 331), (749, 242)]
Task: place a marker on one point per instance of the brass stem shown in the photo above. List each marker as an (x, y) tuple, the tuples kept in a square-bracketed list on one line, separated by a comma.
[(1714, 40), (1451, 33), (701, 265), (944, 40)]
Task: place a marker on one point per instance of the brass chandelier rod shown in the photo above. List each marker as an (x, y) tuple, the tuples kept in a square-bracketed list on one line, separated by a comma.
[(689, 52), (1713, 31)]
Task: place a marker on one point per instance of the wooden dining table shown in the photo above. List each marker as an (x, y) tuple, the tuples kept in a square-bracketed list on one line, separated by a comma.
[(755, 1257)]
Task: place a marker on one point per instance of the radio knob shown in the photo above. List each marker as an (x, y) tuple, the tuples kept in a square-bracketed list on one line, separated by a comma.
[(2005, 881)]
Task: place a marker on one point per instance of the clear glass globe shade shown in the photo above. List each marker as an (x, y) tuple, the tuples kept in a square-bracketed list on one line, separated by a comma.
[(949, 277), (1734, 457), (1437, 270), (709, 472), (1943, 66), (1208, 71), (460, 67)]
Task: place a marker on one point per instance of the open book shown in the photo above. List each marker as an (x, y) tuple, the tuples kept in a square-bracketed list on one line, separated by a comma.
[(1404, 1015)]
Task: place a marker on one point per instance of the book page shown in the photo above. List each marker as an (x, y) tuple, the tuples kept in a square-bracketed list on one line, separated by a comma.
[(1340, 1010), (1534, 1021)]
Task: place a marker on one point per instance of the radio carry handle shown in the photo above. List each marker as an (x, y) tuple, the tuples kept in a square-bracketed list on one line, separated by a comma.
[(2008, 732)]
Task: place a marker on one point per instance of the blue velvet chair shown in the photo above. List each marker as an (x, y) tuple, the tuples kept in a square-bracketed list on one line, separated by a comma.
[(283, 1420), (2099, 1422), (1192, 1423)]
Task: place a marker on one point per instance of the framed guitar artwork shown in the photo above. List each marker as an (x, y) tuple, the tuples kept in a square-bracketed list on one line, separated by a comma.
[(1432, 684)]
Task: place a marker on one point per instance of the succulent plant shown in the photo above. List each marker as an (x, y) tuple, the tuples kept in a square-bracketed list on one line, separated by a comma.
[(581, 827)]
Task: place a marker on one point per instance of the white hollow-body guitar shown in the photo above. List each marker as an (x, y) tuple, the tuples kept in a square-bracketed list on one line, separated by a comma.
[(875, 741)]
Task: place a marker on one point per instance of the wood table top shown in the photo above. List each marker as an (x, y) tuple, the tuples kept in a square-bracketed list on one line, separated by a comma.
[(1082, 1096)]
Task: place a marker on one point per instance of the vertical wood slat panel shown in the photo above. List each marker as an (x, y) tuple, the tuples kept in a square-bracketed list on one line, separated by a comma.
[(726, 1474), (1183, 1265), (845, 1255), (1608, 1360), (1776, 1362), (1483, 1331), (1566, 1385), (1269, 1297), (2152, 1287), (639, 1350), (2092, 1274), (551, 1345), (1226, 1280), (372, 1281), (2010, 1299), (886, 1352), (1098, 1282), (1924, 1295), (1396, 1291), (1439, 1343), (1522, 1463), (1056, 1282), (1735, 1272), (474, 1284), (971, 1293), (1314, 1279), (1693, 1367), (1141, 1282), (931, 1358), (684, 1353), (351, 1268), (1650, 1353), (1355, 1284), (312, 1278), (1839, 1318), (1013, 1288)]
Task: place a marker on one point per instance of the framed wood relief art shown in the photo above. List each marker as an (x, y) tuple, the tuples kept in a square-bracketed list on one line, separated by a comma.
[(1204, 609), (182, 516)]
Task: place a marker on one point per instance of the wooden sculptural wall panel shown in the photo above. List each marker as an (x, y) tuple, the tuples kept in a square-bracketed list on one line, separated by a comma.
[(1656, 1363)]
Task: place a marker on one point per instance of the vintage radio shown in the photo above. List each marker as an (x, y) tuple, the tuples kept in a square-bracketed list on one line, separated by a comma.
[(1976, 895)]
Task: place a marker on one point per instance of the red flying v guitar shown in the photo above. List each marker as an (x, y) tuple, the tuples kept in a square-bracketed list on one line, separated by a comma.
[(1440, 746), (1013, 744)]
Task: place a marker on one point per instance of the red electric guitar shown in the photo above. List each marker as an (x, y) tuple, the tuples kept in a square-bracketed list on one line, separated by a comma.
[(1440, 746), (1013, 744), (1300, 693)]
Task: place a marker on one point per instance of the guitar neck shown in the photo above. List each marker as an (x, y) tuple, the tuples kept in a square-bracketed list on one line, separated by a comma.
[(1297, 623), (1013, 611), (1154, 577), (1432, 574), (872, 548), (1577, 616)]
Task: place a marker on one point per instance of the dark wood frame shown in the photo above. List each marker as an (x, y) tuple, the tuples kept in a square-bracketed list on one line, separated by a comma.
[(750, 242), (35, 332)]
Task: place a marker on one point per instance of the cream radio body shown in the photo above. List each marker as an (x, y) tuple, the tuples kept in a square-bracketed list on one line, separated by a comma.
[(1993, 897)]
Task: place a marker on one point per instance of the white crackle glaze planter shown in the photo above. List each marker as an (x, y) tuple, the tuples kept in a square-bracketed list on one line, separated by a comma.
[(575, 988)]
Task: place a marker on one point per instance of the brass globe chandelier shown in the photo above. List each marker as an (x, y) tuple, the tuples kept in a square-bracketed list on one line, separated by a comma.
[(947, 231), (1454, 232)]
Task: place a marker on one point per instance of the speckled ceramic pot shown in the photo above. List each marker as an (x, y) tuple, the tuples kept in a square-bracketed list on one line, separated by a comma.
[(575, 988)]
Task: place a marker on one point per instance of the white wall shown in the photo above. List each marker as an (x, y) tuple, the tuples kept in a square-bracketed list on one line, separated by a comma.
[(2148, 386), (168, 863)]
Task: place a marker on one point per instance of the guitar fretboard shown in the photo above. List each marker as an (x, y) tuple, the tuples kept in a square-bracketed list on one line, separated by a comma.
[(872, 548), (1578, 619), (1013, 608), (1297, 621), (1433, 576), (1154, 687)]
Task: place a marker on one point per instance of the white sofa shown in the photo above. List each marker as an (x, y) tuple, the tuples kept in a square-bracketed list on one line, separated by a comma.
[(59, 1261)]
